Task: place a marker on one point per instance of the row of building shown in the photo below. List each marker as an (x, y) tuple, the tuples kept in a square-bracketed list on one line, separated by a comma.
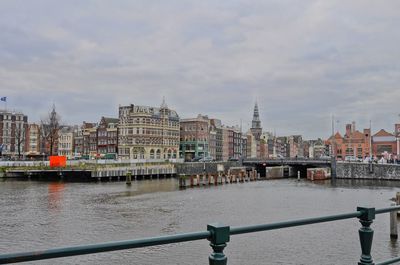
[(357, 144), (144, 132)]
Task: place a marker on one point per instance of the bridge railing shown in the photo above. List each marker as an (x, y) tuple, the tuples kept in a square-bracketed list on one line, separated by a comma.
[(218, 235)]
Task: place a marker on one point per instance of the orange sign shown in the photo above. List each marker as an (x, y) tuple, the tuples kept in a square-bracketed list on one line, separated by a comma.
[(58, 161)]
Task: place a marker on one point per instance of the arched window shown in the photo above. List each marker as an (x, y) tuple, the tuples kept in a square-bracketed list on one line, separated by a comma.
[(158, 154), (151, 154)]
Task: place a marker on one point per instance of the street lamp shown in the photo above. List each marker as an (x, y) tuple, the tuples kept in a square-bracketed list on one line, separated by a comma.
[(333, 159)]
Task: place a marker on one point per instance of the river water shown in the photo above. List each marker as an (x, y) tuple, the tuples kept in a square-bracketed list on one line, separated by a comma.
[(42, 215)]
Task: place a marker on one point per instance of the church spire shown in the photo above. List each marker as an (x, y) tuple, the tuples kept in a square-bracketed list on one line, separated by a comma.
[(163, 104), (256, 129), (256, 123)]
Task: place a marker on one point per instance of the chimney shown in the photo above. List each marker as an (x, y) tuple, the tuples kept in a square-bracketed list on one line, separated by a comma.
[(348, 129), (353, 127)]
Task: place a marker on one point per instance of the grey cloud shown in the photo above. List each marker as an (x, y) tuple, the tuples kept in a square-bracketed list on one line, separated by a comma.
[(303, 61)]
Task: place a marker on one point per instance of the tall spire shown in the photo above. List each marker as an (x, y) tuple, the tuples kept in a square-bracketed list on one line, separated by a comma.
[(256, 129), (163, 104), (256, 123)]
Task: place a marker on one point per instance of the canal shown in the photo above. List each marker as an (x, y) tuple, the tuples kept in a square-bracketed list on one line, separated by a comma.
[(42, 215)]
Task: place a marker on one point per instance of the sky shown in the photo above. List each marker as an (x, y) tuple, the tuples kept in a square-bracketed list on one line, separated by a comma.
[(302, 61)]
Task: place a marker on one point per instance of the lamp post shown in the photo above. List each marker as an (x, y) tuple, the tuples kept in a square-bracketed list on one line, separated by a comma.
[(333, 158)]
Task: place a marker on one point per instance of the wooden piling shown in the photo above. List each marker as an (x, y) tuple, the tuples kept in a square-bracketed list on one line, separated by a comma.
[(128, 178), (398, 201), (393, 223)]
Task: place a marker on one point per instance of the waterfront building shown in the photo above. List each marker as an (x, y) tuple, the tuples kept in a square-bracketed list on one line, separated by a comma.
[(195, 138), (212, 144), (66, 141), (13, 128), (251, 145), (107, 138), (269, 140), (314, 148), (216, 125), (78, 142), (93, 142), (384, 144), (146, 132), (227, 142), (282, 147), (244, 145), (353, 144), (237, 143), (295, 143), (86, 130), (33, 140)]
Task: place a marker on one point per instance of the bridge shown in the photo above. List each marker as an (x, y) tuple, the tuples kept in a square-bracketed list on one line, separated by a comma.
[(299, 164)]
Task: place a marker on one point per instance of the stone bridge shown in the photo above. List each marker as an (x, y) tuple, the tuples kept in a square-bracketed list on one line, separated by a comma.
[(298, 164)]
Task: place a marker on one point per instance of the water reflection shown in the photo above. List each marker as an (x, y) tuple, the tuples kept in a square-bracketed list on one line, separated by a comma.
[(55, 193), (84, 213)]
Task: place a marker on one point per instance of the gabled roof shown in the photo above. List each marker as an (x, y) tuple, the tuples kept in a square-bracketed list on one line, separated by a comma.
[(382, 132), (110, 120)]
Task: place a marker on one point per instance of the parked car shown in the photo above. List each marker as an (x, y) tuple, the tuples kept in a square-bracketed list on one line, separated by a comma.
[(196, 159), (352, 159), (325, 157), (206, 159)]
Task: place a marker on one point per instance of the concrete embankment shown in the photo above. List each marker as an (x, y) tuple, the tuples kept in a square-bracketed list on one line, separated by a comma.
[(368, 171)]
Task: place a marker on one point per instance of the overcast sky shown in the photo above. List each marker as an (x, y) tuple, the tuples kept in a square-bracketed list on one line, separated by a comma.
[(301, 60)]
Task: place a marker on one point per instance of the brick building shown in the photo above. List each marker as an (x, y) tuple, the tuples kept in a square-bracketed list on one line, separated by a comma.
[(13, 129), (353, 143), (195, 138), (107, 137)]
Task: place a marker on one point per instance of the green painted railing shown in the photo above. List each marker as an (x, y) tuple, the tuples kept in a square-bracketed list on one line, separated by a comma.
[(219, 236)]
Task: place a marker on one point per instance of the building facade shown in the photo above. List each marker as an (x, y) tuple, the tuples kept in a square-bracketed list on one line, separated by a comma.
[(107, 138), (195, 138), (148, 132), (13, 129), (33, 140), (352, 144), (216, 125), (66, 141), (384, 144)]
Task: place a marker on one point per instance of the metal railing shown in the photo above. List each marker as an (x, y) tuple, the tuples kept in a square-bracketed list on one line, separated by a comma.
[(219, 236)]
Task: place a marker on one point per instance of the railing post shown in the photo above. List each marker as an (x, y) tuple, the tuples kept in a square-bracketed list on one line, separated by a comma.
[(366, 234), (219, 237)]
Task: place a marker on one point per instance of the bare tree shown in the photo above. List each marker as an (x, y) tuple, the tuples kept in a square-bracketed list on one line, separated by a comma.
[(20, 137), (49, 127)]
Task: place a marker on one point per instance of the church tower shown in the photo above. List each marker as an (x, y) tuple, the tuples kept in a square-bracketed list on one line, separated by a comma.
[(256, 129)]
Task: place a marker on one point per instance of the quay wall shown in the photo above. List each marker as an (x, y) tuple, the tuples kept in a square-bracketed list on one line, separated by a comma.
[(198, 168), (368, 171)]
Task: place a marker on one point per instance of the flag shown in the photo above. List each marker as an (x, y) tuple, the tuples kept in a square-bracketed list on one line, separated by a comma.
[(3, 99)]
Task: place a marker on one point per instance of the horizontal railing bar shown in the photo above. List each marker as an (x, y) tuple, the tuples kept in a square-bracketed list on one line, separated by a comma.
[(387, 210), (300, 222), (391, 261), (103, 247), (178, 238)]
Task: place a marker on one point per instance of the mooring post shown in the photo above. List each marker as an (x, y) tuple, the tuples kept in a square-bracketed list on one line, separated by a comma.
[(219, 237), (128, 177), (393, 223), (398, 201), (366, 234), (298, 175)]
